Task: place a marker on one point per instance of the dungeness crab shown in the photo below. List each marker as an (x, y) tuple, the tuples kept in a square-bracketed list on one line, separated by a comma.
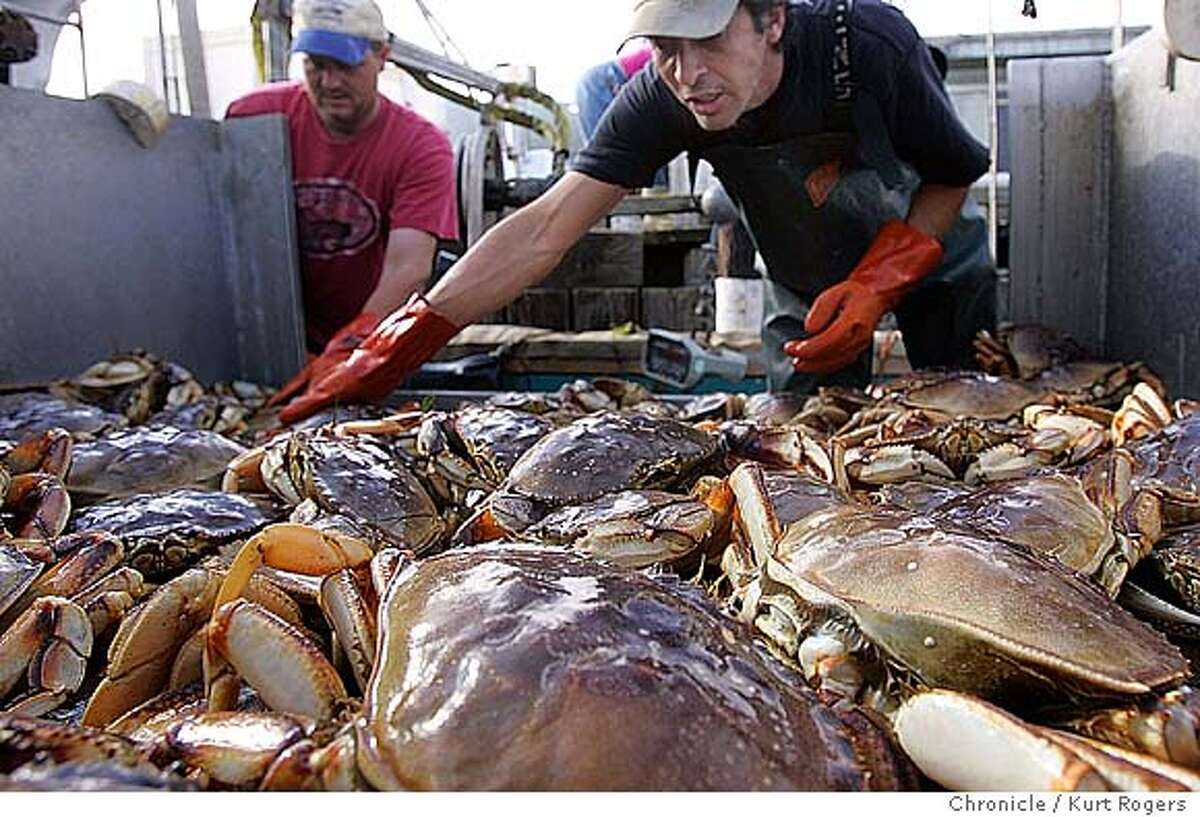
[(596, 677)]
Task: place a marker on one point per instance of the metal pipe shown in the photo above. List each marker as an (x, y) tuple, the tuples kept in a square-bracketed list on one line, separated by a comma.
[(162, 55), (78, 24), (994, 128), (1118, 41)]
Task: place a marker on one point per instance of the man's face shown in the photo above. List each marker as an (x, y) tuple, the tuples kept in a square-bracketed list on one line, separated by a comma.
[(722, 77), (345, 96)]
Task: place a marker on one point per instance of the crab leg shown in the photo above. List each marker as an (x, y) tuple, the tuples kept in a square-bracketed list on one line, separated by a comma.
[(965, 744), (141, 654), (286, 546), (286, 668), (353, 622), (108, 600), (50, 642), (40, 504), (1168, 729), (49, 453), (231, 748), (24, 739)]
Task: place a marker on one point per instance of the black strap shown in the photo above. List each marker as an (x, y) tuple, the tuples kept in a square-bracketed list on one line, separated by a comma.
[(842, 114)]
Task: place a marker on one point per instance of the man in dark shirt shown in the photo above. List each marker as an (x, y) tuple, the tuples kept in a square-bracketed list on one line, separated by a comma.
[(829, 126)]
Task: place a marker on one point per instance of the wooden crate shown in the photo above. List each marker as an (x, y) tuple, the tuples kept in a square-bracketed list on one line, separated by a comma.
[(600, 259), (672, 308), (543, 308), (603, 308)]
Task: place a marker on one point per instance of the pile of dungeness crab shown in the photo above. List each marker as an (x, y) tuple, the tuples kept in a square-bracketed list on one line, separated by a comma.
[(960, 580)]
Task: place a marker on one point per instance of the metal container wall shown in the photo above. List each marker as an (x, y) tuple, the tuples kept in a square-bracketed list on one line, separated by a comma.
[(1154, 277), (187, 250), (1106, 204)]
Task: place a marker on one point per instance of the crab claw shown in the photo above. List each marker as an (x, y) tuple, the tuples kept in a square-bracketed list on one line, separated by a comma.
[(50, 642), (49, 453), (286, 668), (40, 504), (286, 546)]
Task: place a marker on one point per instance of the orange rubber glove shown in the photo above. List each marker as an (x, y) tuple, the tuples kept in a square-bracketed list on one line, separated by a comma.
[(843, 318), (399, 345), (336, 351)]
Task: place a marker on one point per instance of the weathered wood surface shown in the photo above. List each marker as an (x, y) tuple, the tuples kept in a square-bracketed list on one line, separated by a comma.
[(540, 351), (671, 308), (600, 259), (603, 308), (543, 308)]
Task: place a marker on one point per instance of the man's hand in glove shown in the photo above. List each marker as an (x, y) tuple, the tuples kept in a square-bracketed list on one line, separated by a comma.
[(397, 347), (337, 350), (843, 318)]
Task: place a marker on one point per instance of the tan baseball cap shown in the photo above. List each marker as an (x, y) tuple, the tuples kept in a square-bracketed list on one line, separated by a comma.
[(689, 19), (340, 29)]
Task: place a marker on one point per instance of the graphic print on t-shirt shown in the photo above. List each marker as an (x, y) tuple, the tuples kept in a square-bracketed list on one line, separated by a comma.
[(334, 218)]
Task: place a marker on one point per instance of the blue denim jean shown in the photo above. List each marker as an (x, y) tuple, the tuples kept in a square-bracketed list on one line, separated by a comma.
[(594, 92)]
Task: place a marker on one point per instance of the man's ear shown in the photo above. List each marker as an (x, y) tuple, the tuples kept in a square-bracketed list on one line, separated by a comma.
[(383, 55), (776, 24)]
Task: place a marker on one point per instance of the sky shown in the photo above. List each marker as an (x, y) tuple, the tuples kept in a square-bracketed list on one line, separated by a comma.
[(562, 38)]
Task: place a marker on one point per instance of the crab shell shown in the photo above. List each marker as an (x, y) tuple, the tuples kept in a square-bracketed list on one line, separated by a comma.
[(496, 438), (963, 394), (166, 531), (1176, 559), (528, 668), (1169, 463), (1053, 515), (970, 613), (25, 414), (146, 459), (597, 455), (633, 529)]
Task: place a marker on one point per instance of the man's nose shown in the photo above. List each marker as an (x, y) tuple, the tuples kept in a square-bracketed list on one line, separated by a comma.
[(689, 64), (329, 75)]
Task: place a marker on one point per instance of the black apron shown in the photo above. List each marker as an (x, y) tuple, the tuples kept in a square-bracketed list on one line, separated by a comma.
[(814, 206)]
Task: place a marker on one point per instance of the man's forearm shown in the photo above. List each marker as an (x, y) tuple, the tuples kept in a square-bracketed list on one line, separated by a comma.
[(935, 208), (509, 259), (395, 289), (521, 250)]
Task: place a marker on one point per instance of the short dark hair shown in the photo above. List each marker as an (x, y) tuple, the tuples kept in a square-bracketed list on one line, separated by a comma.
[(759, 9)]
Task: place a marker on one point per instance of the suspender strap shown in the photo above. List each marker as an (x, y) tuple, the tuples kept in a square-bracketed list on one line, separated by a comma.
[(842, 114)]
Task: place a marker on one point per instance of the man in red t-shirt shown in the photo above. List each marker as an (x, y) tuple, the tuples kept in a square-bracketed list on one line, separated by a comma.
[(374, 181)]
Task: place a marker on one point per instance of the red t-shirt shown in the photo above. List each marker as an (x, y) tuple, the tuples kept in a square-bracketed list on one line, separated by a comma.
[(350, 194)]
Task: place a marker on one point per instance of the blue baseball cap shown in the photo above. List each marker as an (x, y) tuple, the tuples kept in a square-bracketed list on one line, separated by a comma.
[(342, 30), (340, 47)]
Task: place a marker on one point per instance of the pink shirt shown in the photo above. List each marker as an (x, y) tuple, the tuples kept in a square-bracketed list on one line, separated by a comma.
[(636, 61), (350, 194)]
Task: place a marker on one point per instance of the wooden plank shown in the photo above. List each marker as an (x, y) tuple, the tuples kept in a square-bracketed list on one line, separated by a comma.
[(603, 308), (600, 259), (699, 266), (655, 205), (672, 308), (541, 308), (540, 351)]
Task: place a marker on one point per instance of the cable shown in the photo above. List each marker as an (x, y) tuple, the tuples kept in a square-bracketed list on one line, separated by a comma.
[(441, 34)]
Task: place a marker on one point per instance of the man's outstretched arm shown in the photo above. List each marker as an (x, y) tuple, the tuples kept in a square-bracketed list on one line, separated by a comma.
[(517, 253), (523, 249), (406, 269)]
